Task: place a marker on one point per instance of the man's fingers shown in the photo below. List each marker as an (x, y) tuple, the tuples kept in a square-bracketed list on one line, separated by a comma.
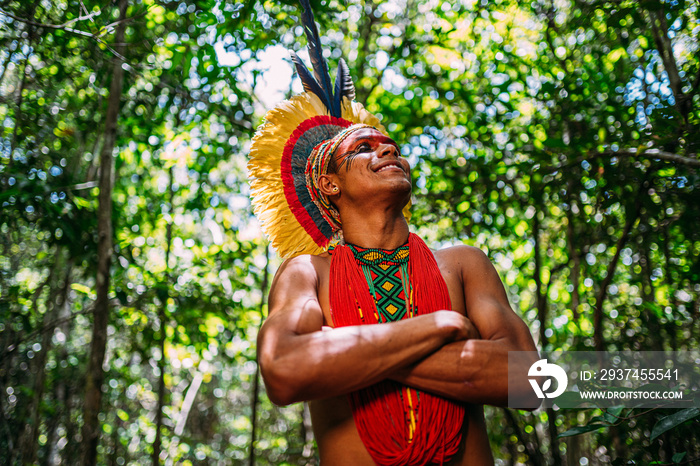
[(465, 328)]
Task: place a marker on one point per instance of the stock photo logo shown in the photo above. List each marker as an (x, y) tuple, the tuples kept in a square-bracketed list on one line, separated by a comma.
[(542, 368)]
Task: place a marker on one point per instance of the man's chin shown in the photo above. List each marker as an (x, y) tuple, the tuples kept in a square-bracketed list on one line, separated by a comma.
[(403, 193), (404, 186)]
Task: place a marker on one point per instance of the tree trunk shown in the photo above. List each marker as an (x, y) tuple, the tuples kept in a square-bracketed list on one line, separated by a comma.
[(574, 449), (18, 115), (51, 428), (29, 450), (671, 326), (541, 301), (6, 360), (60, 391), (95, 374), (22, 83), (5, 61), (659, 29), (553, 437), (256, 380), (67, 390), (162, 317), (533, 453), (649, 296), (539, 298), (307, 433), (574, 255)]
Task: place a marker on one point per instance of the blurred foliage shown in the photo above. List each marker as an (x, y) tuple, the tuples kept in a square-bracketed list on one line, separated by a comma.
[(561, 137)]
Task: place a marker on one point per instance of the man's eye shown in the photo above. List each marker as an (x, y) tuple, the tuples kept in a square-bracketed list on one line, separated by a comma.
[(363, 147)]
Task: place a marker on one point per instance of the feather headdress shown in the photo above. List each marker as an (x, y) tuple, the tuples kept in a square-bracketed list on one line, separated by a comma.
[(284, 142)]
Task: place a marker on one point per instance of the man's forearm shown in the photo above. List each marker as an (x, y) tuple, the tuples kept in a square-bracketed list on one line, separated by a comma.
[(323, 364), (473, 371)]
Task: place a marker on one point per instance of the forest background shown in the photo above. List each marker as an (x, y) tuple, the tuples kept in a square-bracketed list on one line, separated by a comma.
[(560, 137)]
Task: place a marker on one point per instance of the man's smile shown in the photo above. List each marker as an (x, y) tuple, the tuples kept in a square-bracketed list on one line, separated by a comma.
[(388, 165)]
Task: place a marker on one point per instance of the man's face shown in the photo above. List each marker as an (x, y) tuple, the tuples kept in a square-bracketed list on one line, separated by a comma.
[(368, 159)]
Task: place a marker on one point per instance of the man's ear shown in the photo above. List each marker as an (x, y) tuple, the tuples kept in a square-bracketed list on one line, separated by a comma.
[(328, 185)]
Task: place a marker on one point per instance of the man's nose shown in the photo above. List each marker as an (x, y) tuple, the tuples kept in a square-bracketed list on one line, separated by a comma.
[(388, 150)]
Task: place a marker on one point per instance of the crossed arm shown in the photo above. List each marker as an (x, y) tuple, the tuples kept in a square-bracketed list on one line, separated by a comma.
[(444, 352)]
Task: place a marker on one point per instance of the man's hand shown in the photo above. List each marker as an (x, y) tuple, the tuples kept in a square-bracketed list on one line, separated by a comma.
[(460, 327)]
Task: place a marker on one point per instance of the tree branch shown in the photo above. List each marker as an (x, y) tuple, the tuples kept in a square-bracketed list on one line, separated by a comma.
[(365, 30), (610, 272), (51, 26), (664, 46), (78, 32), (45, 328), (649, 153), (390, 52), (696, 84)]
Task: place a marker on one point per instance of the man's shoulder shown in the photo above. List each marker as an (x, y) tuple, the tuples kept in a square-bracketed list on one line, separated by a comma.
[(461, 252), (306, 264), (466, 260), (299, 276)]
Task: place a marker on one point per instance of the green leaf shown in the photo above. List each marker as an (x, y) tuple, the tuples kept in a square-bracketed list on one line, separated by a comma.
[(578, 430), (597, 420), (669, 422), (81, 202), (678, 457), (81, 288), (463, 207), (655, 308), (123, 415), (569, 400), (612, 414), (616, 54)]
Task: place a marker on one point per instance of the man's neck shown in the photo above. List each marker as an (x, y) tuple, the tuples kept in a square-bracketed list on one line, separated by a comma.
[(383, 230)]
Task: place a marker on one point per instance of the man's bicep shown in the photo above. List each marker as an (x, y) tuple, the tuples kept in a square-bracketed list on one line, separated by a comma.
[(293, 300), (294, 316), (486, 300)]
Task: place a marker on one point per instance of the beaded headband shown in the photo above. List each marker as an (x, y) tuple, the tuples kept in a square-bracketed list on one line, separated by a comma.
[(317, 165)]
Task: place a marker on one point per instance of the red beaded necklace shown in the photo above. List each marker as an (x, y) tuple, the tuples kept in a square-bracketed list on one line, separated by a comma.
[(396, 424)]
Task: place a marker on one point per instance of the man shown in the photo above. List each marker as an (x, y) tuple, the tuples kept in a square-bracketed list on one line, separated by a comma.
[(459, 353), (395, 347)]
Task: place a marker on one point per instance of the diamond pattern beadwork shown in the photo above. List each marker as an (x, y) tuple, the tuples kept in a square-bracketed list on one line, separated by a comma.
[(385, 271)]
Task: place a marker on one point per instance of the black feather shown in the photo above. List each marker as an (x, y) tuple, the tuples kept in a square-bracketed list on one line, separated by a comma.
[(307, 80), (318, 62), (345, 88), (320, 82), (338, 94)]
